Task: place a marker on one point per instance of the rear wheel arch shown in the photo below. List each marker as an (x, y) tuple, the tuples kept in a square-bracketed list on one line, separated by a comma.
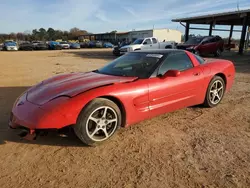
[(223, 77)]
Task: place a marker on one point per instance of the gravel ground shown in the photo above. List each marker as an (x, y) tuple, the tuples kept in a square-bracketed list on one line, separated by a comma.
[(192, 147)]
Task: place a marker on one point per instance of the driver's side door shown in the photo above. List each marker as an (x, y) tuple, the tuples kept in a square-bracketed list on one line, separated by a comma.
[(147, 44), (170, 93)]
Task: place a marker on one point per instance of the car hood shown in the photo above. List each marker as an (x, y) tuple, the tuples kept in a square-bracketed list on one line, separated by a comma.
[(131, 46), (185, 46), (71, 85)]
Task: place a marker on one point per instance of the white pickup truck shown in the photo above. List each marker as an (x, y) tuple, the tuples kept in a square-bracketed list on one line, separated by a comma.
[(147, 43)]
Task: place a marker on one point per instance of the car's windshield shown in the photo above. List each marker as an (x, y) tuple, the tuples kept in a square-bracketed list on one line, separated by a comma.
[(54, 43), (138, 41), (194, 40), (10, 44), (133, 64)]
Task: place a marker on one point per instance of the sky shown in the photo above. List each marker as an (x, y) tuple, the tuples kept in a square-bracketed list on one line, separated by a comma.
[(107, 15)]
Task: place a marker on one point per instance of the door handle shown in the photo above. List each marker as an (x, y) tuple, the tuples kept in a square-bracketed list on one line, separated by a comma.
[(196, 74), (151, 45)]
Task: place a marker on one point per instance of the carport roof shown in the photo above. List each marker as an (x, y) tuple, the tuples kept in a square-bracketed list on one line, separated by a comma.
[(226, 18)]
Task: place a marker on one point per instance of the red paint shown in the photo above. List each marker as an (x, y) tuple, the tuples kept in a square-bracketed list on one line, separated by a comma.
[(41, 107)]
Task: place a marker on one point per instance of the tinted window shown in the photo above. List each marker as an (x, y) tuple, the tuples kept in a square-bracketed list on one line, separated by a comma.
[(132, 64), (148, 41), (199, 59), (217, 38), (178, 61), (138, 41), (207, 40), (194, 40), (154, 40), (213, 40)]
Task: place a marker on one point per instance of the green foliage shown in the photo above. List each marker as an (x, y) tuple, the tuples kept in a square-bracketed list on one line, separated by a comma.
[(44, 35)]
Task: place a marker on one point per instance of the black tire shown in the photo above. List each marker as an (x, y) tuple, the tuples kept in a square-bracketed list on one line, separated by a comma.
[(208, 103), (168, 47), (81, 126), (218, 53)]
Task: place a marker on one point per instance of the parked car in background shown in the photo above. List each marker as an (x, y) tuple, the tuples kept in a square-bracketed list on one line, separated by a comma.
[(1, 47), (84, 44), (108, 45), (65, 45), (26, 46), (52, 45), (10, 46), (116, 49), (98, 44), (204, 45), (92, 44), (149, 43), (75, 46), (41, 46)]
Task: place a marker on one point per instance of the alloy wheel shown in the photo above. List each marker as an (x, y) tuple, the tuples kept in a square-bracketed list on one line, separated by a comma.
[(101, 123), (216, 92)]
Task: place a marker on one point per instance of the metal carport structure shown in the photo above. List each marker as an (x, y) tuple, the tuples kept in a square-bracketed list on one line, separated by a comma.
[(235, 18)]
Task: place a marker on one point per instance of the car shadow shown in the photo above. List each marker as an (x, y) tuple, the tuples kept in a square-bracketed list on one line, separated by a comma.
[(104, 54), (62, 137)]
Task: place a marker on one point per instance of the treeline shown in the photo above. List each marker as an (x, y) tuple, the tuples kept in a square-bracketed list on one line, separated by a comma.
[(44, 35)]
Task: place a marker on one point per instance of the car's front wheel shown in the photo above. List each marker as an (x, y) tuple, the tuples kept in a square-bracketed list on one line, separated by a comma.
[(215, 92), (98, 121)]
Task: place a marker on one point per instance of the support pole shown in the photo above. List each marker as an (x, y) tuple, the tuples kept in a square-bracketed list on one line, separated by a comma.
[(210, 29), (230, 35), (243, 35), (187, 31)]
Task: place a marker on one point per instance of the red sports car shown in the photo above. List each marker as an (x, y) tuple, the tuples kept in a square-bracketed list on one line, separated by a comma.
[(132, 88)]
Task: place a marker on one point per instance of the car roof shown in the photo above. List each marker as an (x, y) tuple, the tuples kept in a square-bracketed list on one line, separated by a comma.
[(159, 51)]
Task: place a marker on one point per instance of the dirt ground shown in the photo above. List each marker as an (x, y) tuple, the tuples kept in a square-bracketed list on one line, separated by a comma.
[(192, 147)]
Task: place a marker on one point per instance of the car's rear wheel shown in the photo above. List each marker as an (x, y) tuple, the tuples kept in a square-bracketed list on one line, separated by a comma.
[(218, 53), (215, 92), (98, 121)]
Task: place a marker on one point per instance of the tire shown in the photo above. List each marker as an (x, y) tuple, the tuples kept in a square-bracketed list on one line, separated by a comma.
[(214, 94), (168, 47), (91, 124), (218, 53)]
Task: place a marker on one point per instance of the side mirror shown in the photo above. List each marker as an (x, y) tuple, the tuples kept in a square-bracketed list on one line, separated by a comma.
[(145, 43), (171, 73)]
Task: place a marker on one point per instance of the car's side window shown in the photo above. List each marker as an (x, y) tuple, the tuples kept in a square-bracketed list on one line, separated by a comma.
[(154, 40), (178, 61), (213, 39), (199, 59), (148, 41)]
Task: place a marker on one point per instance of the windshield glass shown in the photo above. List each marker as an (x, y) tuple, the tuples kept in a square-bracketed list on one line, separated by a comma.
[(138, 41), (194, 40), (133, 64), (10, 44)]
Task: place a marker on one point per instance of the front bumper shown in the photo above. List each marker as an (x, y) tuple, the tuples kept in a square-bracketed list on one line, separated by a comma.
[(12, 48), (65, 47), (32, 116)]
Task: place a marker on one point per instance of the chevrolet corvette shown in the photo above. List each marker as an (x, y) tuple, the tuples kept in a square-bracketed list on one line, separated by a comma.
[(134, 87)]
